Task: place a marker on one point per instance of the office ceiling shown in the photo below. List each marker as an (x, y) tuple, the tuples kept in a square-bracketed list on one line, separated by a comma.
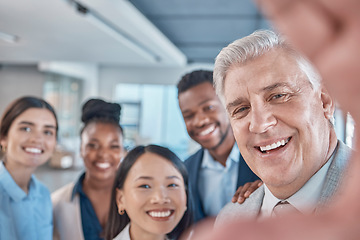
[(165, 32), (201, 28)]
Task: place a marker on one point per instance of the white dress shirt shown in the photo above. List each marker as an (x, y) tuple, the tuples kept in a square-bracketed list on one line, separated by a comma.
[(304, 200)]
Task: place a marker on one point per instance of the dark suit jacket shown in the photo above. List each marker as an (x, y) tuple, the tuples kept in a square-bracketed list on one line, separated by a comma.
[(193, 164)]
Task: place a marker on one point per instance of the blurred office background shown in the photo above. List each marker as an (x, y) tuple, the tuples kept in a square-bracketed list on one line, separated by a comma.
[(131, 52)]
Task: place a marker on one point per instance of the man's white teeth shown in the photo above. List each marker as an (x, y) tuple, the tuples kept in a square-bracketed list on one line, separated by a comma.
[(33, 150), (274, 145), (103, 165), (160, 214), (207, 131)]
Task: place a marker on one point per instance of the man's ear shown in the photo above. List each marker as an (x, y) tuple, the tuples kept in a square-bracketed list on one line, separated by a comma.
[(328, 103), (120, 200)]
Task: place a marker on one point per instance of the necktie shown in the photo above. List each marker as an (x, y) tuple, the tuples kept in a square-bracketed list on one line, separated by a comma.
[(282, 208)]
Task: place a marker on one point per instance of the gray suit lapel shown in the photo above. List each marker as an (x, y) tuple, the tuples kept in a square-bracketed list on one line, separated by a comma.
[(335, 174)]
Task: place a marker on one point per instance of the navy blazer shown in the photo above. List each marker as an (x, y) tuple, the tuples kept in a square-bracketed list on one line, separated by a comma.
[(193, 164)]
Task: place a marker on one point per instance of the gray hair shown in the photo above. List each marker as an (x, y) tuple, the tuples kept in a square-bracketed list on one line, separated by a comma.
[(253, 46)]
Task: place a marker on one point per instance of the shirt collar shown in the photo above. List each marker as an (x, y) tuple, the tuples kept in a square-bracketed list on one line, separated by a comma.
[(14, 191), (209, 162), (305, 199), (78, 188)]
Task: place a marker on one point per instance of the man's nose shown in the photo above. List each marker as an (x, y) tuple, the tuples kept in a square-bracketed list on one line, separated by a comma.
[(261, 119), (200, 119)]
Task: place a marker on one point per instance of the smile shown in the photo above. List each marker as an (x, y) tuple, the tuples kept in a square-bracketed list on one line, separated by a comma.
[(33, 150), (103, 165), (275, 145), (160, 214), (207, 131)]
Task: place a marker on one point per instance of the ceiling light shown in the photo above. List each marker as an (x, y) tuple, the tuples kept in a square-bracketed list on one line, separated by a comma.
[(110, 29), (8, 37)]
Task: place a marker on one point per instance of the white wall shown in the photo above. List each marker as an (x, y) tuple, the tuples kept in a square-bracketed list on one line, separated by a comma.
[(110, 76), (16, 81)]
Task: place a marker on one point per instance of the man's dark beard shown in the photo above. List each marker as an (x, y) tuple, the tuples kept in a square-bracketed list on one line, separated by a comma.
[(222, 138)]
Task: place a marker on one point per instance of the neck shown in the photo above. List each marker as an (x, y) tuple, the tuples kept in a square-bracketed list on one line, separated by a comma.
[(142, 235), (90, 184), (221, 152), (20, 174)]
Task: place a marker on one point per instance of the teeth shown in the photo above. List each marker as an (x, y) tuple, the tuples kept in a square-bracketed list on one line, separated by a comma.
[(33, 150), (160, 214), (207, 131), (103, 165), (274, 145)]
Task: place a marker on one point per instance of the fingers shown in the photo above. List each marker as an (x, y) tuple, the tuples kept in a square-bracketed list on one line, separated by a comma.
[(252, 187), (304, 22), (237, 195), (245, 191)]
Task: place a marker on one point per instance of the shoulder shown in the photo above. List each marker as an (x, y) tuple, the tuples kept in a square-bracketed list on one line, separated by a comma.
[(249, 209), (343, 152), (41, 187), (124, 234), (195, 157), (340, 160), (62, 194)]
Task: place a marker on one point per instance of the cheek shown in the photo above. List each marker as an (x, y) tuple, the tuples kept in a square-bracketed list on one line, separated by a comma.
[(88, 156), (116, 156), (180, 199), (188, 125), (51, 144), (136, 197), (135, 202), (223, 118), (239, 131)]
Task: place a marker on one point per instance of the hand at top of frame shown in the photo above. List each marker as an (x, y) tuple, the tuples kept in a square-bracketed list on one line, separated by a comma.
[(328, 33)]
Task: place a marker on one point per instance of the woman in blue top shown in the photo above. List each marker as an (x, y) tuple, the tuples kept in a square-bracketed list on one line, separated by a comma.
[(28, 132)]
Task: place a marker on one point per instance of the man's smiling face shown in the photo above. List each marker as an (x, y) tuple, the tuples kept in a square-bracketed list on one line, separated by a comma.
[(280, 123), (205, 117)]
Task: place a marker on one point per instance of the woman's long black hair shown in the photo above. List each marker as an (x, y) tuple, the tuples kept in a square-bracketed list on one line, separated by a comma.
[(116, 222)]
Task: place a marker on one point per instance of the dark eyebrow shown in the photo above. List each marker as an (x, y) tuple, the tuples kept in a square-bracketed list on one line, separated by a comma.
[(173, 177), (144, 177), (32, 124), (27, 123), (200, 103), (151, 178)]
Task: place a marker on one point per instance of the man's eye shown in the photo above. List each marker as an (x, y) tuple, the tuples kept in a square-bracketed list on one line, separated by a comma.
[(144, 186), (240, 112), (189, 116), (209, 108), (115, 146), (49, 133), (277, 96)]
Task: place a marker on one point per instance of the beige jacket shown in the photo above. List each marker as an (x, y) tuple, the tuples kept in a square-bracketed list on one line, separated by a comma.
[(67, 216)]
